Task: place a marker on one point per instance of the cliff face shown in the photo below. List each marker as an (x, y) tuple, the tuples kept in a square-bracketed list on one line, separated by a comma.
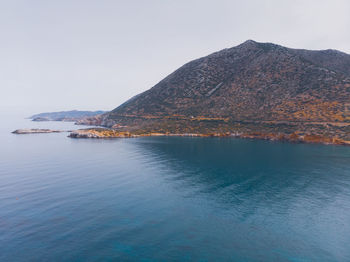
[(255, 83)]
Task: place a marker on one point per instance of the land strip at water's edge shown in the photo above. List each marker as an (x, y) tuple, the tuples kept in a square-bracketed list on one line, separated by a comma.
[(322, 133)]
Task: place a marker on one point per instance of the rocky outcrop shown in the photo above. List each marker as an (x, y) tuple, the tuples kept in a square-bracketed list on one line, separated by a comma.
[(92, 121), (99, 133)]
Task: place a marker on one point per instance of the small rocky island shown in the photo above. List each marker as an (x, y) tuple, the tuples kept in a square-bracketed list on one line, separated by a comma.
[(35, 131)]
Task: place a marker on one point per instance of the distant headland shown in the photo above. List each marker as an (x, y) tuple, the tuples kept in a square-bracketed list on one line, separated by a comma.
[(71, 116)]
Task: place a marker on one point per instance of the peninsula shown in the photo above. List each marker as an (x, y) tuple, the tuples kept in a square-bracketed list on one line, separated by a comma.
[(253, 90), (69, 116)]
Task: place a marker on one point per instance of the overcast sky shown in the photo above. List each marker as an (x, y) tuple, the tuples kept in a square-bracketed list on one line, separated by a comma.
[(72, 54)]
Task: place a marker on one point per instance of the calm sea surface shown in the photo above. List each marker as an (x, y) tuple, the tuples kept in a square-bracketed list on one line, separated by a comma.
[(170, 199)]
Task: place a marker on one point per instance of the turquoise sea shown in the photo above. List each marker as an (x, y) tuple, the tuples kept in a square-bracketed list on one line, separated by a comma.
[(170, 198)]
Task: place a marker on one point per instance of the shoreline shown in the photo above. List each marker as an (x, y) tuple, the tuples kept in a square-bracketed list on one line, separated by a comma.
[(100, 133)]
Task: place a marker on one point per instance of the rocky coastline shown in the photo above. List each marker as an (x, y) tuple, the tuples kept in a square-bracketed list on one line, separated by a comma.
[(104, 133)]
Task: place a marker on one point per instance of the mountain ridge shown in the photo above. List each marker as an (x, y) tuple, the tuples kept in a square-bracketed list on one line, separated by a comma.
[(254, 54), (252, 82)]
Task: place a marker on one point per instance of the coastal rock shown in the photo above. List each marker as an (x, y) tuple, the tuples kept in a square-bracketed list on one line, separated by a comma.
[(99, 133)]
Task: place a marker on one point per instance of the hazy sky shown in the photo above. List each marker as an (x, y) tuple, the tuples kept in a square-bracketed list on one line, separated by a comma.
[(72, 54)]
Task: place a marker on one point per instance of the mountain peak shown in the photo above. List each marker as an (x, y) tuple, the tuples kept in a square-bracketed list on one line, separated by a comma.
[(251, 44), (249, 41)]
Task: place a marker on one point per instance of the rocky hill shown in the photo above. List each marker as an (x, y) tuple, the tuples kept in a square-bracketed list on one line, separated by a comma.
[(253, 88)]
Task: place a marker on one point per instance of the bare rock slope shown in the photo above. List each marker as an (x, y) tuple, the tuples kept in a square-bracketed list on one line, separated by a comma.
[(253, 88)]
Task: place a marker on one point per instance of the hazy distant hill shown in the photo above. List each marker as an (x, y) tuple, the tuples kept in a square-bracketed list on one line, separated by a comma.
[(262, 86), (73, 115)]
